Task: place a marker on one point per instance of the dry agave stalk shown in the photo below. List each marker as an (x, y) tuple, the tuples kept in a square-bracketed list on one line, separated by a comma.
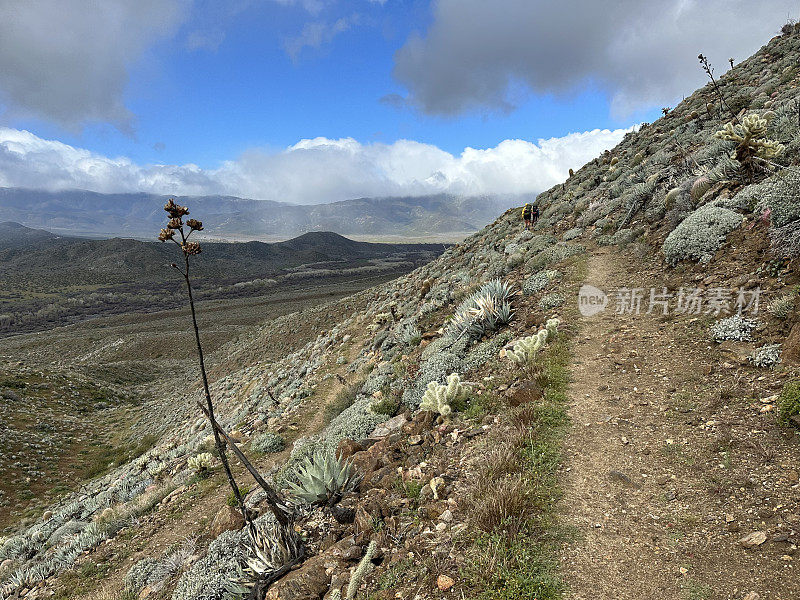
[(180, 233)]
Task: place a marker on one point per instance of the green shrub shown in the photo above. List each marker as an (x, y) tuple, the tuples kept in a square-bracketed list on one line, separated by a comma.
[(267, 443), (789, 401), (232, 501), (344, 399), (700, 234), (388, 406)]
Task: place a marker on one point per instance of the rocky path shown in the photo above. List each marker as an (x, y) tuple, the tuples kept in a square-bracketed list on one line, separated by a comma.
[(666, 471)]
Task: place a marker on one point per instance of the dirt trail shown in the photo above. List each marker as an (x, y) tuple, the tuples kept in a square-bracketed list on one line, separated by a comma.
[(661, 477)]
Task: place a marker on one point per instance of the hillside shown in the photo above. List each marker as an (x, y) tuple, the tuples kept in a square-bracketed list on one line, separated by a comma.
[(642, 446), (137, 215)]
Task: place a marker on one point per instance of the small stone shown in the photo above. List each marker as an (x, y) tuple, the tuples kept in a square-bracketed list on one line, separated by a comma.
[(792, 476), (414, 440), (444, 582), (752, 596), (753, 540), (441, 526), (446, 516), (47, 515)]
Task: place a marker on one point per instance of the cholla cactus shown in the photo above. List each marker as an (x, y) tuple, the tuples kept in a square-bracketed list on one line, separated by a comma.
[(364, 567), (200, 463), (552, 328), (323, 479), (526, 349), (439, 398), (749, 135)]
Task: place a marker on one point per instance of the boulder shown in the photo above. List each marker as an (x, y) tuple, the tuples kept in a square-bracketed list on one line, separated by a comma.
[(347, 448), (226, 519), (309, 582)]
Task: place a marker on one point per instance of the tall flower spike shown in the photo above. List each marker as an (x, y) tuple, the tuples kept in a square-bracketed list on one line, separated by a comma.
[(175, 210), (191, 248)]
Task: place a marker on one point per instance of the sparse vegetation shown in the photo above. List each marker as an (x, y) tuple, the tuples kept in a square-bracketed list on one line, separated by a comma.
[(268, 443), (789, 401)]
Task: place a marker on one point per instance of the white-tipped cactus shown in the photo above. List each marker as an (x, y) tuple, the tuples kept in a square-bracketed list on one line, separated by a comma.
[(525, 350), (439, 398), (552, 328), (749, 135), (364, 567), (201, 462)]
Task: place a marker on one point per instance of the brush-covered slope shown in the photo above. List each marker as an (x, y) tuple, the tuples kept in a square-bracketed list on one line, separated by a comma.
[(678, 184), (462, 502)]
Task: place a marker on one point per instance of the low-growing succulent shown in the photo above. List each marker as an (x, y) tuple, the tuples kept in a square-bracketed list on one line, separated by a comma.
[(484, 311), (270, 547), (323, 479), (439, 398)]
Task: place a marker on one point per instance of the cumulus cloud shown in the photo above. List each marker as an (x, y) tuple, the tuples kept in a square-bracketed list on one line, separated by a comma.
[(644, 53), (310, 171), (68, 61)]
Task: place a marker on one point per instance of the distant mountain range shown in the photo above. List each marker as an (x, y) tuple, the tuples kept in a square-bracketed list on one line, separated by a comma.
[(36, 255), (226, 217), (48, 279)]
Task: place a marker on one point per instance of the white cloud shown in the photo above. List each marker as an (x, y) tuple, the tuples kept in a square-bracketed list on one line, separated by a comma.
[(318, 33), (312, 170), (644, 53), (68, 61)]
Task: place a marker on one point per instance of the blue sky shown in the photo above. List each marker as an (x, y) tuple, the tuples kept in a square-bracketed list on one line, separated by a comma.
[(204, 105), (197, 96)]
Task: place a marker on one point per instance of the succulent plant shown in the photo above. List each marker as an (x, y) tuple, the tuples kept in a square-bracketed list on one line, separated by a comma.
[(484, 311), (749, 136), (439, 398), (323, 479), (525, 350), (364, 567), (781, 306), (200, 462)]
